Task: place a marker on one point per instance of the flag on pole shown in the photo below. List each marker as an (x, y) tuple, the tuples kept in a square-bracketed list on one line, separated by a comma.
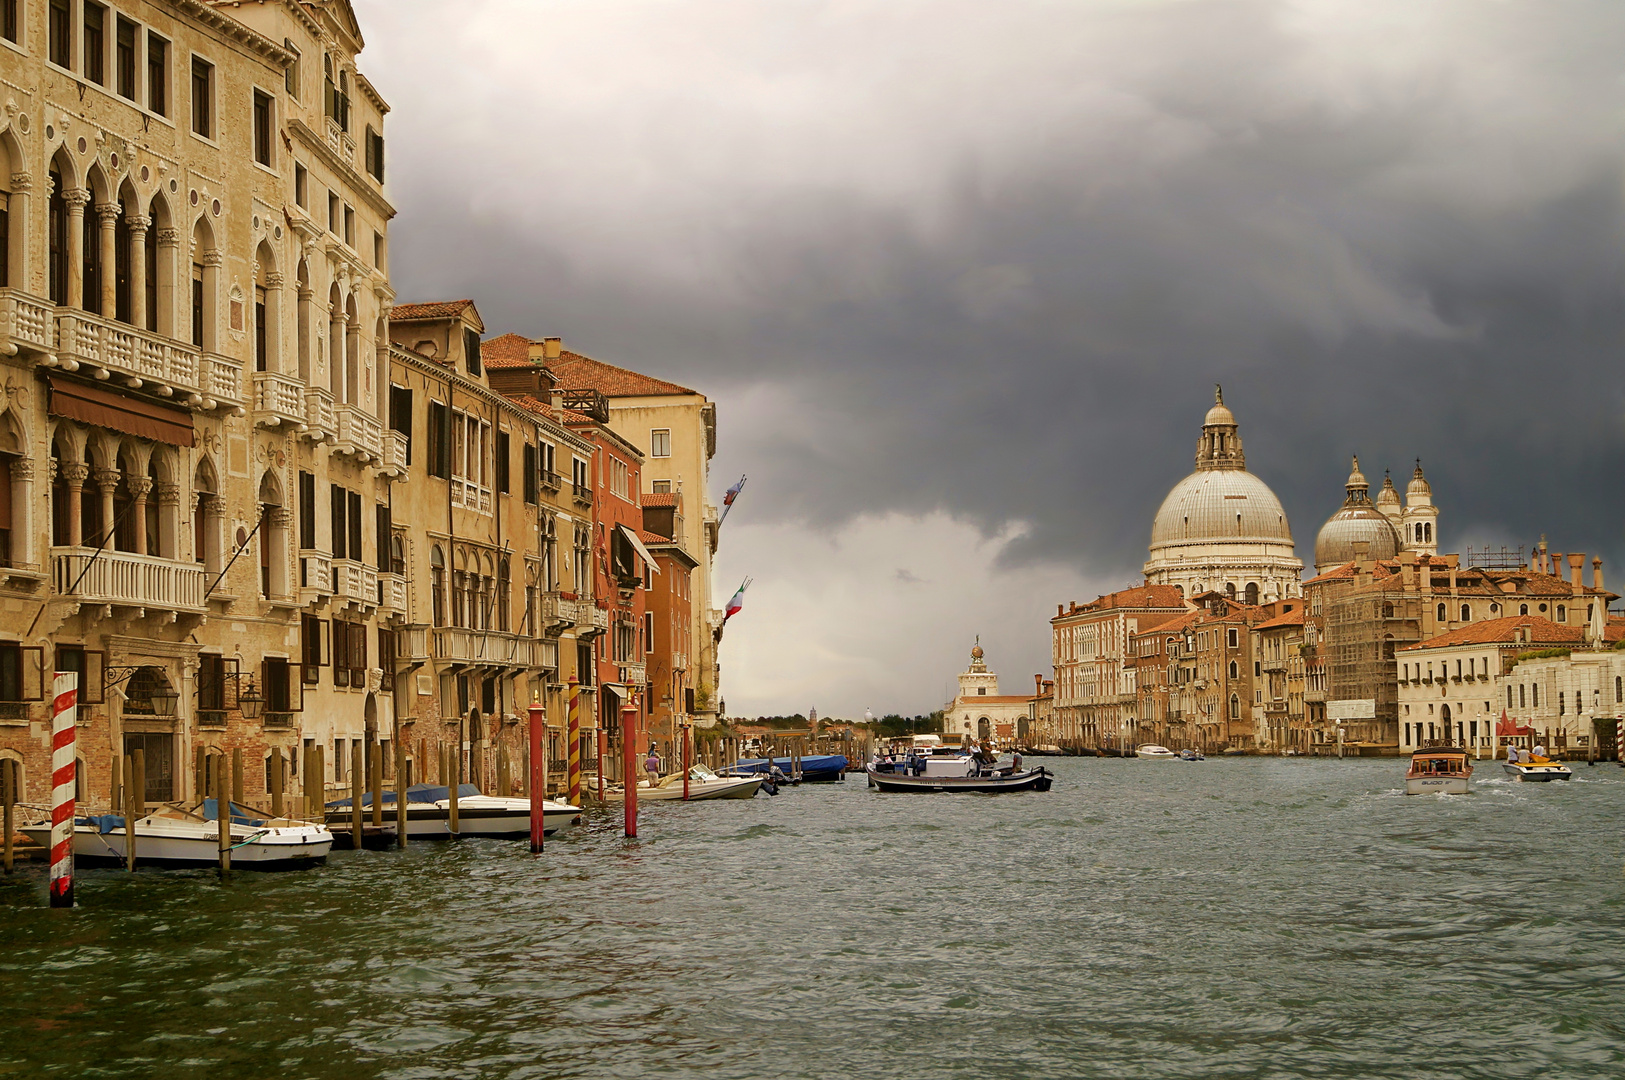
[(737, 602), (728, 500)]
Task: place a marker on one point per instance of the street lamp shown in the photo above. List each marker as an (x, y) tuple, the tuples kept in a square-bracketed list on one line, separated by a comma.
[(163, 702), (251, 703)]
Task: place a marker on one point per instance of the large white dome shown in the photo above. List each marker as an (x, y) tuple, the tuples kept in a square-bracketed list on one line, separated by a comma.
[(1219, 505)]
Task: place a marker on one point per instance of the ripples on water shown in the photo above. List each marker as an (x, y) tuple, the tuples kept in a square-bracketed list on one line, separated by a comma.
[(1259, 918)]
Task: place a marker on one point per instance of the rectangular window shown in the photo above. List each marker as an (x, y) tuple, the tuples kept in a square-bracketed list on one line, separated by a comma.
[(660, 442), (618, 477), (375, 154), (307, 510), (340, 631), (384, 529), (202, 97), (386, 655), (349, 225), (332, 213), (95, 43), (290, 75), (471, 349), (531, 473), (504, 451), (301, 186), (211, 682), (660, 487), (311, 657), (262, 127), (400, 415), (61, 45), (157, 74), (355, 524), (578, 475), (648, 632), (439, 440), (124, 58), (8, 19), (379, 256), (338, 503)]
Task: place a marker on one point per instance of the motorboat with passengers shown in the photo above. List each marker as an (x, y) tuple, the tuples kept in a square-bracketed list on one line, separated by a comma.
[(1438, 770), (1528, 767), (949, 768)]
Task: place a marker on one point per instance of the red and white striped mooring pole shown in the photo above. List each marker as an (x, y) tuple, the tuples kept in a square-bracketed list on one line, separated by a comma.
[(65, 697)]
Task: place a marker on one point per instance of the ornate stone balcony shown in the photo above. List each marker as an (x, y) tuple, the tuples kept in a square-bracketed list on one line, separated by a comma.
[(459, 645), (537, 653), (128, 580), (355, 581), (632, 674), (590, 618), (557, 613), (319, 420), (359, 434), (315, 571), (278, 399), (395, 446), (392, 594), (142, 359), (26, 321)]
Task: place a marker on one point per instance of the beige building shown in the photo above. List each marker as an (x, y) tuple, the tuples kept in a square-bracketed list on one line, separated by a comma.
[(1095, 689), (979, 712), (191, 320)]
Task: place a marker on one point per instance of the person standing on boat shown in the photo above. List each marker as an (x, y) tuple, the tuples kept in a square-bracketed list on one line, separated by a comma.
[(651, 765), (1015, 761), (1512, 755)]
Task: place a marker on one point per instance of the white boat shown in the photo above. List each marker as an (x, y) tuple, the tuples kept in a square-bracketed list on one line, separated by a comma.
[(1536, 770), (1152, 750), (177, 836), (1438, 770), (428, 813), (702, 784), (1191, 755)]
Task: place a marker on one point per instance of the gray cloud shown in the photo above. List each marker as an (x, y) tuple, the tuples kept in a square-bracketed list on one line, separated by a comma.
[(989, 261)]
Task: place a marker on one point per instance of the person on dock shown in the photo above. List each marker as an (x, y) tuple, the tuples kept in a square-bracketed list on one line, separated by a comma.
[(651, 765)]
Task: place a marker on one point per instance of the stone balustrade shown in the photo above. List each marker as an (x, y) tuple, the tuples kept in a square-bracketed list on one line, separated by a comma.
[(359, 433), (632, 674), (127, 579), (278, 399), (355, 581), (392, 594), (319, 420), (315, 570), (144, 359), (26, 321), (395, 452)]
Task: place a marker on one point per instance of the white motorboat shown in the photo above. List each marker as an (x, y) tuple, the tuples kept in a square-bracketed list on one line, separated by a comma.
[(1152, 750), (1532, 769), (1438, 771), (428, 813), (702, 784), (178, 836), (1191, 755)]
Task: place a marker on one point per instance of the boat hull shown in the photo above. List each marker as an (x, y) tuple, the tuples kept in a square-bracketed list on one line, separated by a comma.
[(1536, 774), (1436, 785), (1155, 753), (1030, 780), (478, 816), (744, 787), (156, 844)]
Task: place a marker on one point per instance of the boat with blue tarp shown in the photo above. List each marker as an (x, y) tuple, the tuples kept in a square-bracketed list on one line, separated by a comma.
[(814, 767), (428, 813)]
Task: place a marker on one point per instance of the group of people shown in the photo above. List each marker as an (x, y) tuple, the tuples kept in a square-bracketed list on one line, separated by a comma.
[(1514, 755)]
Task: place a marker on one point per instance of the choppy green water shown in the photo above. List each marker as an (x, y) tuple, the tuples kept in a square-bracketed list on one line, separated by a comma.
[(1257, 918)]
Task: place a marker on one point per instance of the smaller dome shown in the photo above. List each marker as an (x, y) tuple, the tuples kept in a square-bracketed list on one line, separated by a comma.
[(1220, 414), (1388, 498), (1356, 477), (1349, 526), (1419, 484)]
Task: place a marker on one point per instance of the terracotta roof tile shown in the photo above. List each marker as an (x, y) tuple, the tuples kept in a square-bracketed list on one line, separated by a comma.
[(1291, 618), (1501, 631), (661, 498), (577, 372), (433, 309), (506, 351)]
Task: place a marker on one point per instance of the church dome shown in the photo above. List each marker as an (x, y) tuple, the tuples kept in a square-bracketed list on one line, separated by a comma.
[(1388, 498), (1220, 504), (1357, 521), (1419, 485)]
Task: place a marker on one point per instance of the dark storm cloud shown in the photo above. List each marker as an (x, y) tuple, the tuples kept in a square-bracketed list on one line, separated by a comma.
[(993, 266)]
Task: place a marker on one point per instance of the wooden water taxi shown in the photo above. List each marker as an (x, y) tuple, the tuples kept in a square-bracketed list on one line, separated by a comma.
[(1438, 770)]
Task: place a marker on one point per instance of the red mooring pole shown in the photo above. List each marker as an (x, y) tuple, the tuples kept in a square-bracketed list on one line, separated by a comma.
[(65, 696), (629, 765), (537, 781), (572, 731)]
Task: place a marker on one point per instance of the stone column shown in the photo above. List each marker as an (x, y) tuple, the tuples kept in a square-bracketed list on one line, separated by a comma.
[(278, 522), (107, 215), (169, 517), (22, 513), (169, 246), (307, 321), (140, 486), (75, 473), (209, 507), (107, 481), (76, 200), (138, 223), (213, 260), (21, 185), (337, 361), (274, 359)]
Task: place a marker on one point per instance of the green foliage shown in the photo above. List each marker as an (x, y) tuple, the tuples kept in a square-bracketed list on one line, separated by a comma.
[(894, 725), (1538, 654)]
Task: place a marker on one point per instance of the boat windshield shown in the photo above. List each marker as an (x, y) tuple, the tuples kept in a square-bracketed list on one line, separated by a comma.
[(700, 772)]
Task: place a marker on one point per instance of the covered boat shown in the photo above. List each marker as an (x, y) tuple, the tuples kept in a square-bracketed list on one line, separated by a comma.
[(428, 813), (952, 771), (1154, 752), (814, 767), (1438, 770), (175, 835)]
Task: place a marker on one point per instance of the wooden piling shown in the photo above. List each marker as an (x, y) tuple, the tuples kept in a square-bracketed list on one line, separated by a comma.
[(318, 780), (456, 780), (222, 817), (115, 785), (132, 810), (503, 785), (377, 786), (8, 799), (358, 769), (277, 781), (400, 793), (237, 775), (200, 776)]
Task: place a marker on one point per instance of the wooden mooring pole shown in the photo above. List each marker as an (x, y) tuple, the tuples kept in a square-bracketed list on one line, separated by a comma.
[(222, 819), (377, 785), (400, 794), (131, 810), (277, 781), (8, 799), (536, 782), (456, 781), (358, 769)]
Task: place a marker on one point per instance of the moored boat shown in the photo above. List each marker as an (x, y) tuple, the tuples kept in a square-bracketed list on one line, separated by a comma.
[(1154, 752), (428, 813), (813, 768), (175, 835), (702, 784), (1438, 770)]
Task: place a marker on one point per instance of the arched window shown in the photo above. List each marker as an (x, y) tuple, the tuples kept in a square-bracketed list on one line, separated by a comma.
[(335, 342), (306, 305), (1534, 695), (1562, 613), (1523, 609), (1230, 590), (13, 215), (1388, 647), (1235, 712), (267, 311), (352, 353), (206, 260), (1428, 528), (1466, 613), (57, 238), (1441, 615), (1509, 697), (1387, 611), (1523, 699), (1252, 593), (273, 538), (437, 584), (162, 249), (502, 594), (1234, 669), (206, 519)]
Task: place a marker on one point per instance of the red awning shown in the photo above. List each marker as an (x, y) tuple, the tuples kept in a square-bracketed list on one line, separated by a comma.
[(109, 409)]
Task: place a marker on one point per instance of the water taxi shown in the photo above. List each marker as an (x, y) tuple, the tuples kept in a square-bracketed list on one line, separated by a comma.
[(1438, 770), (1153, 751)]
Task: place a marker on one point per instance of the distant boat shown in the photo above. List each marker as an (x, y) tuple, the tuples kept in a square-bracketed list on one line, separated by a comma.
[(1191, 755), (1152, 750), (814, 767), (1438, 770), (1536, 770)]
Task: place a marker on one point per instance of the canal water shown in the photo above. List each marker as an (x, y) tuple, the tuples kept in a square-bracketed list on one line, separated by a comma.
[(1235, 918)]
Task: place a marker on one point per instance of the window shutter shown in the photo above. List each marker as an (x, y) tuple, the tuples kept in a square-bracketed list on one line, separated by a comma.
[(33, 672), (400, 415), (341, 654), (337, 500), (504, 452), (355, 524), (358, 654), (384, 527), (531, 473), (439, 439), (95, 688), (307, 510), (371, 168), (296, 690)]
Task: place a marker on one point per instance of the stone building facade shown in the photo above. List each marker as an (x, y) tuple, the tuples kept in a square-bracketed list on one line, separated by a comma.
[(1095, 690)]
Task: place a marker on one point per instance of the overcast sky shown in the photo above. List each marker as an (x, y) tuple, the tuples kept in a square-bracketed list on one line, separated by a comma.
[(961, 276)]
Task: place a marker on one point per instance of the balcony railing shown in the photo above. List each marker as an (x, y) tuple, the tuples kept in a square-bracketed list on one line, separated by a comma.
[(319, 420), (395, 447), (392, 593), (412, 645), (355, 581), (119, 577), (25, 321), (200, 380), (552, 481), (592, 618), (278, 399), (679, 661), (557, 613), (536, 653), (315, 570), (359, 434), (459, 645), (632, 674), (583, 495)]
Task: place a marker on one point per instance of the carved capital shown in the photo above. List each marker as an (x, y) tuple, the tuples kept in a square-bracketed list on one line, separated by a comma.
[(74, 472), (213, 257), (272, 281), (140, 486), (169, 238), (22, 183), (77, 199), (139, 224), (107, 213), (22, 469), (169, 494), (107, 479), (279, 517)]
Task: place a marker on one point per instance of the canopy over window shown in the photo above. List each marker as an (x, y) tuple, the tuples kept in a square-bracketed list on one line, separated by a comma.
[(132, 416)]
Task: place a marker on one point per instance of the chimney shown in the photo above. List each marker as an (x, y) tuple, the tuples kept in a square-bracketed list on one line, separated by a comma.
[(1554, 564), (1575, 563), (1038, 683), (1596, 574), (551, 347), (1060, 609)]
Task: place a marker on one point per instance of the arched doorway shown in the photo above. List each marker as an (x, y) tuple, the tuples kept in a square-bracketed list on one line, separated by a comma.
[(1444, 717), (983, 730)]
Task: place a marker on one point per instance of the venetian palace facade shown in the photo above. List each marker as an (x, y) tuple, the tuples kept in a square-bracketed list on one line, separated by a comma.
[(237, 472)]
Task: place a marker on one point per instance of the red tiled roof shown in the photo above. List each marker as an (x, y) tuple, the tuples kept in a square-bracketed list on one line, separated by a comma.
[(433, 309), (506, 351), (577, 372), (663, 498), (1291, 618), (652, 537), (1500, 632)]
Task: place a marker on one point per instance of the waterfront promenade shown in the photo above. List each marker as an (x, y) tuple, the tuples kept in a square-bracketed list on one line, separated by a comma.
[(1250, 917)]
